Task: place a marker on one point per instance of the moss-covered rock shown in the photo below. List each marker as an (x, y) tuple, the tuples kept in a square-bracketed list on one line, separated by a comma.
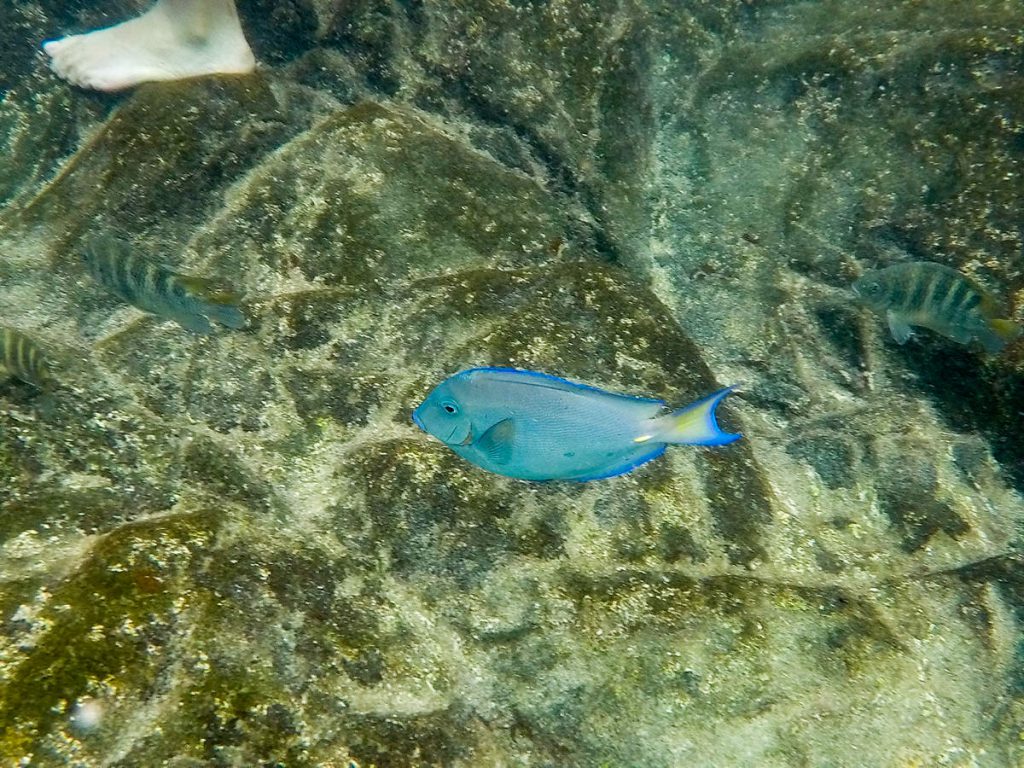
[(108, 626), (391, 193), (238, 550), (195, 154), (81, 466)]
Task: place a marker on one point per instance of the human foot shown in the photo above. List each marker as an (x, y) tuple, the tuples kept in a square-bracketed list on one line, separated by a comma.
[(174, 39)]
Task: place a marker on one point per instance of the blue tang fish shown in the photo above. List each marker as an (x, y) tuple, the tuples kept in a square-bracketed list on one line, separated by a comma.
[(534, 426)]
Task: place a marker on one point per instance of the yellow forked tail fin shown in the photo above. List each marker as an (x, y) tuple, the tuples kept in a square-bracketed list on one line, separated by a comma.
[(695, 424)]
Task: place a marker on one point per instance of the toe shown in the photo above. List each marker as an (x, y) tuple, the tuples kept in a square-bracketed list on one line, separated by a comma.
[(53, 47)]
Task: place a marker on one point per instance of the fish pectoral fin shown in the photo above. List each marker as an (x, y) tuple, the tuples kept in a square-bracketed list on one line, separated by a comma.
[(496, 442), (898, 327)]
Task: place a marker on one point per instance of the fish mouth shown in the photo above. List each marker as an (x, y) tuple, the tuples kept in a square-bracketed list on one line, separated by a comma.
[(417, 421)]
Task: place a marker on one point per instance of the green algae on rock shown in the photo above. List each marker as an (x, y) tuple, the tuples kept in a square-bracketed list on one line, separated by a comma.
[(200, 151), (391, 194), (106, 627)]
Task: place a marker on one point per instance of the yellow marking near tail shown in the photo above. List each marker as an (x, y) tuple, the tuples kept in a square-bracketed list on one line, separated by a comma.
[(1007, 330), (210, 289), (642, 438)]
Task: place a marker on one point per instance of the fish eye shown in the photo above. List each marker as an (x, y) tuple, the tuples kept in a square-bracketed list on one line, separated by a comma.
[(869, 288), (450, 408)]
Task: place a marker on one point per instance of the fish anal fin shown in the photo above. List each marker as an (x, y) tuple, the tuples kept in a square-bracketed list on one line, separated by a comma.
[(227, 315), (898, 327), (496, 442), (193, 322)]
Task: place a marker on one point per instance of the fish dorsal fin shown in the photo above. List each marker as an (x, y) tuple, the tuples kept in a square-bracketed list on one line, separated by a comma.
[(496, 442), (898, 327), (226, 297)]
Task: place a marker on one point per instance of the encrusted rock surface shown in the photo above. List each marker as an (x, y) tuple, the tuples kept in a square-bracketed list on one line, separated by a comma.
[(237, 550)]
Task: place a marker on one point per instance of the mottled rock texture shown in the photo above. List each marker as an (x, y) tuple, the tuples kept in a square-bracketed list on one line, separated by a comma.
[(236, 550)]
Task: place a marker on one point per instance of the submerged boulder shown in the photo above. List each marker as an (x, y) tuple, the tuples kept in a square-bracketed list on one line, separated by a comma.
[(238, 550)]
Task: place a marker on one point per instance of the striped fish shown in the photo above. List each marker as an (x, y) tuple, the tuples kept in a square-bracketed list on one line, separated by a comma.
[(21, 358), (192, 302), (939, 298)]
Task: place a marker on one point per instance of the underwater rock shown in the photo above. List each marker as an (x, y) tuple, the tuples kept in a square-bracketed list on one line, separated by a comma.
[(37, 130), (110, 624), (390, 194), (568, 81), (80, 466), (199, 151), (278, 31), (238, 550)]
